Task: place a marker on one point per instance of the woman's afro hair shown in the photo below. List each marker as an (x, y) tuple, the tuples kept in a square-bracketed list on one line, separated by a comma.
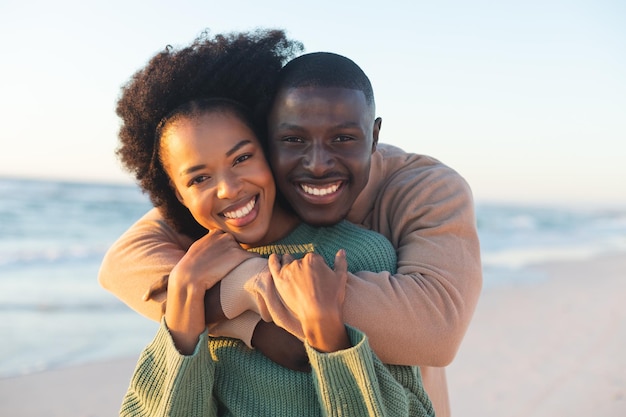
[(242, 67)]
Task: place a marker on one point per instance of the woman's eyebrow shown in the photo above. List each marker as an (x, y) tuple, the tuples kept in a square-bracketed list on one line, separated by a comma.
[(238, 146)]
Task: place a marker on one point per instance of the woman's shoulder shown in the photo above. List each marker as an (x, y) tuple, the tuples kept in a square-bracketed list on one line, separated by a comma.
[(366, 250)]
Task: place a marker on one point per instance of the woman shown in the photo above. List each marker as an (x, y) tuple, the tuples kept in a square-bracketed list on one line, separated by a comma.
[(203, 164)]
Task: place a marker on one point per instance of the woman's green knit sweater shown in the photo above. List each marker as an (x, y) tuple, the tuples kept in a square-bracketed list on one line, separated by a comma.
[(229, 379)]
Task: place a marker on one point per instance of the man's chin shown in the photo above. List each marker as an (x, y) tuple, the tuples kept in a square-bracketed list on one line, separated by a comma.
[(320, 218)]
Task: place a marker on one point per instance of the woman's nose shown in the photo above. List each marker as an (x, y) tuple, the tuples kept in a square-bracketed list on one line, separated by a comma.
[(228, 186)]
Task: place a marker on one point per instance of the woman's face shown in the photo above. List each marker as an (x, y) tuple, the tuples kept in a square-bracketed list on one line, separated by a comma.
[(220, 173)]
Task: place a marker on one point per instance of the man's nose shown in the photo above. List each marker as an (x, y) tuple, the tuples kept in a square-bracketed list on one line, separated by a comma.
[(228, 186), (318, 159)]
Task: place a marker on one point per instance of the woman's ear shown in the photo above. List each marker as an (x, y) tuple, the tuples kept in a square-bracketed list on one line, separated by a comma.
[(178, 196)]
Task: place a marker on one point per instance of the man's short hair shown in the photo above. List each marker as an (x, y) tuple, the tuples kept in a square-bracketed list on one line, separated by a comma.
[(325, 69)]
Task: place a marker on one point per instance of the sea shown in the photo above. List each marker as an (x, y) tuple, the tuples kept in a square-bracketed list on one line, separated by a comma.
[(54, 234)]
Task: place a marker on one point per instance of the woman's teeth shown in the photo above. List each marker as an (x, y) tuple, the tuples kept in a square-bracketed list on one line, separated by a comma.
[(242, 212)]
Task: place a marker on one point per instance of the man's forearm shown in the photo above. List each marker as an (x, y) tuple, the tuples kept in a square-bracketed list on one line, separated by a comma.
[(397, 312), (147, 251)]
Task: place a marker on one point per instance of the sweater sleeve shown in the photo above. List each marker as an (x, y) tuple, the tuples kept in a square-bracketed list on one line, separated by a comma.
[(145, 253), (353, 382), (426, 210), (166, 383)]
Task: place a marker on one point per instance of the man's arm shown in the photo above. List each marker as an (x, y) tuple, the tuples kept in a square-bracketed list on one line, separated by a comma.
[(415, 317), (426, 210), (145, 253), (419, 315)]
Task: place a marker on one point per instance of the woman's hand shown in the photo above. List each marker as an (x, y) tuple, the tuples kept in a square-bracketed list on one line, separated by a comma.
[(206, 262), (210, 259), (315, 294)]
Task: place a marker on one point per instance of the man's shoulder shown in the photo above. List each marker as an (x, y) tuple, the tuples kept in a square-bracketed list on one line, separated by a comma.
[(153, 226), (399, 176), (393, 159), (391, 164)]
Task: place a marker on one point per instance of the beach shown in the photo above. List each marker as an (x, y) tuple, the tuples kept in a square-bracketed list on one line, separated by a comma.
[(549, 346), (552, 347)]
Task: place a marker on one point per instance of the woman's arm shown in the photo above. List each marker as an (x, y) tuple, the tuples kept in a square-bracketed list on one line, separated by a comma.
[(166, 383), (354, 382), (349, 379), (150, 250)]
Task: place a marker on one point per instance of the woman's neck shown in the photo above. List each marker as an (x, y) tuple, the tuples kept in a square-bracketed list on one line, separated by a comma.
[(283, 222)]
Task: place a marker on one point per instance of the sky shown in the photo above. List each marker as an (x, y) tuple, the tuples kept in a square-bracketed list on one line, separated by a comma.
[(525, 99)]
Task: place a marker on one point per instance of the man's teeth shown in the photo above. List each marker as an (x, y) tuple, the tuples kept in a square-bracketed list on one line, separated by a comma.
[(242, 212), (320, 191)]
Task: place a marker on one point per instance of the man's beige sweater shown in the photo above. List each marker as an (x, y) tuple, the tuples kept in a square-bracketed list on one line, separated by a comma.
[(417, 316)]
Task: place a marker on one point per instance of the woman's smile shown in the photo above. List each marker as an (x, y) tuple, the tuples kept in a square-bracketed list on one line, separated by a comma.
[(240, 215)]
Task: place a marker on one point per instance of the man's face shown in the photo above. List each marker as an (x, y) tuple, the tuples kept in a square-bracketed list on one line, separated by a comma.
[(321, 142)]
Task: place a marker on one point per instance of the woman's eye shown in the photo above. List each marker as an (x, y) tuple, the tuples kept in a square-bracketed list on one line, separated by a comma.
[(242, 158), (199, 180)]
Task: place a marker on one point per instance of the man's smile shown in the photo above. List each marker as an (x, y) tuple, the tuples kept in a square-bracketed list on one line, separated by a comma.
[(320, 190)]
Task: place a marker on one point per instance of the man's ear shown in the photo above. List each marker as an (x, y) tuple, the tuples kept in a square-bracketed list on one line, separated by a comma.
[(378, 123)]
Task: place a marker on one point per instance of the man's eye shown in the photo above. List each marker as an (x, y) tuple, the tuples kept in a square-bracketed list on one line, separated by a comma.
[(343, 139), (292, 139)]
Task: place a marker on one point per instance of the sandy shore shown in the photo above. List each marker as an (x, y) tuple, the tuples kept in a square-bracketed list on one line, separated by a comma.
[(552, 347)]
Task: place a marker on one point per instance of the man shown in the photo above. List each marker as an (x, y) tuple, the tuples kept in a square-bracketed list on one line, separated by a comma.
[(323, 148)]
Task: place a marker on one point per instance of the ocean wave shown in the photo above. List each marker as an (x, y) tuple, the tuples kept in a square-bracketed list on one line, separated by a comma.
[(19, 189), (28, 256), (516, 236), (62, 306)]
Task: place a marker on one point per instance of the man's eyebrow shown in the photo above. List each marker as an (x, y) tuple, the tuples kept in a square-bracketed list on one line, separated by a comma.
[(343, 125), (288, 126)]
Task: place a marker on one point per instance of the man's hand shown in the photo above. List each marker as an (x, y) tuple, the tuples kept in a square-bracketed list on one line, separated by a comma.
[(308, 287), (315, 294)]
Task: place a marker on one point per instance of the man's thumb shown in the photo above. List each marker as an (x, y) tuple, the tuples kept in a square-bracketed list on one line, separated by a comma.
[(341, 264)]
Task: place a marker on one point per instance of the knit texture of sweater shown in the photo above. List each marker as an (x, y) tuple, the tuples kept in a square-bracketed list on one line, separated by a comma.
[(230, 379), (365, 250)]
